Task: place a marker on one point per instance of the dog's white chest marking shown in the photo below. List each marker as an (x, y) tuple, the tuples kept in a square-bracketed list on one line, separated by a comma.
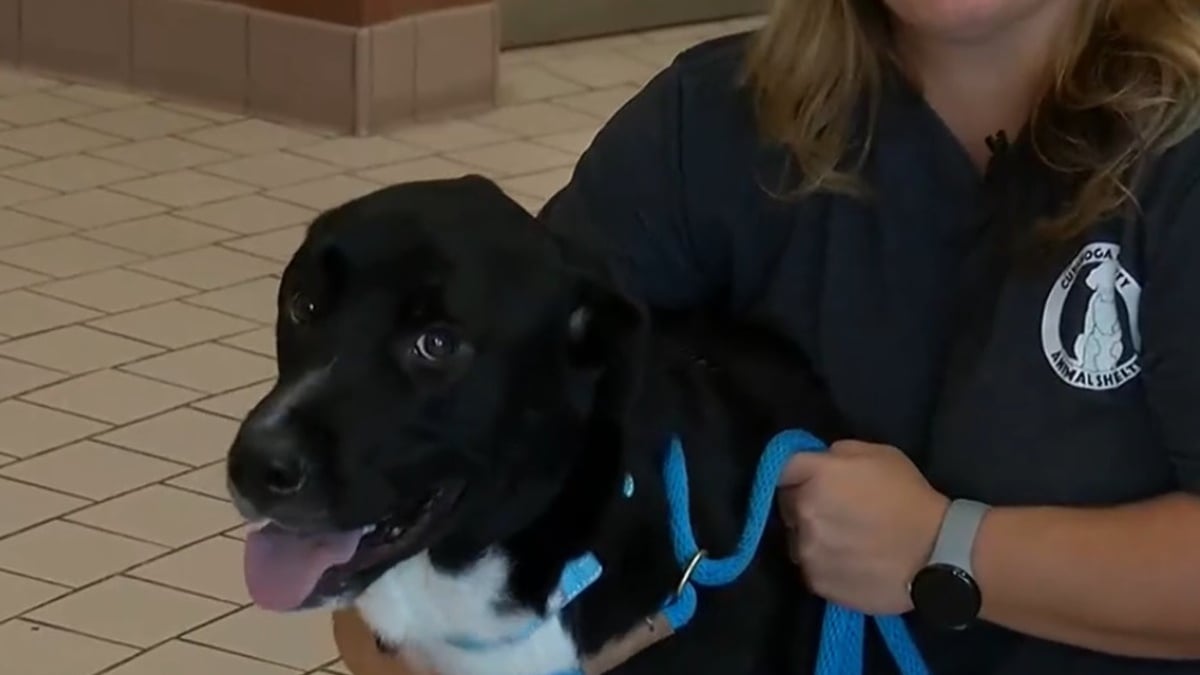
[(415, 605)]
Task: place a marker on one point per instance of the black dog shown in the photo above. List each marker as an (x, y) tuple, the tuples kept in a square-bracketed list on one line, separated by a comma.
[(461, 397)]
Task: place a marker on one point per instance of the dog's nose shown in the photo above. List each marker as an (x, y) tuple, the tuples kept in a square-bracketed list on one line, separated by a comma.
[(267, 465), (283, 476)]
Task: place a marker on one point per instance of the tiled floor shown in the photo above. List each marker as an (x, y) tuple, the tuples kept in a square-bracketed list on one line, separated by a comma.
[(140, 246)]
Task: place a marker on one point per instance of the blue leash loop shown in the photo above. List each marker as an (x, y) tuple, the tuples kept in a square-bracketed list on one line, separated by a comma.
[(842, 630)]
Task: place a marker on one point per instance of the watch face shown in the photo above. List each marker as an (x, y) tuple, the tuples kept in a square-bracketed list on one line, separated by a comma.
[(946, 596)]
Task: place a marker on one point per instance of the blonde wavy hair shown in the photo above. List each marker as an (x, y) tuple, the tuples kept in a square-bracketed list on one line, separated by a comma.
[(1124, 88)]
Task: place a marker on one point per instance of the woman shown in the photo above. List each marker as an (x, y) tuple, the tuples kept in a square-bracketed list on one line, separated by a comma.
[(847, 176)]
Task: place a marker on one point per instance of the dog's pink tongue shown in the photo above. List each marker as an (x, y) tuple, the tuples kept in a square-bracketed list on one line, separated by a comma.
[(282, 568)]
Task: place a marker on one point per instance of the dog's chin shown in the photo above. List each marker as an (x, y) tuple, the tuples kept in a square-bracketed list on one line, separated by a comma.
[(290, 571)]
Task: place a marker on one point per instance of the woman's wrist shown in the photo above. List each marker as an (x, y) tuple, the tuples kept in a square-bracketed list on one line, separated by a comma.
[(1115, 579)]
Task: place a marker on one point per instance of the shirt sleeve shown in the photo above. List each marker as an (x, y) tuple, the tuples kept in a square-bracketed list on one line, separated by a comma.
[(1170, 326), (626, 200)]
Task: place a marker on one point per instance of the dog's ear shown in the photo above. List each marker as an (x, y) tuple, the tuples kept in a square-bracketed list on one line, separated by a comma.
[(603, 326), (607, 334)]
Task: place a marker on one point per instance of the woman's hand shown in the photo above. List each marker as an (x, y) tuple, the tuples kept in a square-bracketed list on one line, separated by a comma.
[(862, 521)]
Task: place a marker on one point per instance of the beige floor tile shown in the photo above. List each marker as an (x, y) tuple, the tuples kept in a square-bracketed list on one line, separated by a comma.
[(41, 650), (574, 142), (183, 658), (115, 290), (656, 54), (203, 112), (272, 169), (14, 192), (19, 594), (692, 33), (208, 480), (207, 367), (53, 552), (248, 137), (600, 69), (30, 429), (541, 185), (425, 168), (22, 313), (12, 278), (163, 154), (212, 568), (100, 97), (513, 158), (361, 153), (450, 135), (148, 614), (163, 515), (14, 81), (339, 668), (10, 158), (141, 122), (209, 268), (261, 341), (66, 256), (602, 103), (24, 505), (184, 188), (235, 404), (17, 377), (174, 324), (250, 215), (39, 107), (54, 139), (72, 172), (18, 228), (253, 300), (537, 119), (113, 396), (325, 193), (604, 44), (301, 640), (91, 208), (183, 435), (76, 349), (279, 245), (92, 470), (158, 235), (531, 82)]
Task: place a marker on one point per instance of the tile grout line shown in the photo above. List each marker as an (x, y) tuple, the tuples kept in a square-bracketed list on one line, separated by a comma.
[(180, 468), (160, 351), (69, 513), (190, 468)]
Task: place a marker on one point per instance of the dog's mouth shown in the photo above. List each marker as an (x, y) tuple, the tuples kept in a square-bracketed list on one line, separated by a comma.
[(288, 570)]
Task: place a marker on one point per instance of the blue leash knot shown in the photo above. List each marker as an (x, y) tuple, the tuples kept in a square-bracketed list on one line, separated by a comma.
[(842, 630)]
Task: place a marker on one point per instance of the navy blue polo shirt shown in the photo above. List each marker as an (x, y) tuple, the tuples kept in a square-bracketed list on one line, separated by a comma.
[(1072, 381)]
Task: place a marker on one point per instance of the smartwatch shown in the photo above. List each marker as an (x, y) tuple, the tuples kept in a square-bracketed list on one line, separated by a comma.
[(944, 592)]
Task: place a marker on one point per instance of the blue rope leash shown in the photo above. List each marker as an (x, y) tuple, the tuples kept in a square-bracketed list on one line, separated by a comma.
[(842, 630)]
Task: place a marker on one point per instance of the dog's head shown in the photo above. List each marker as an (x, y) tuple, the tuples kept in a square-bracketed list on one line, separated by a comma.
[(438, 359)]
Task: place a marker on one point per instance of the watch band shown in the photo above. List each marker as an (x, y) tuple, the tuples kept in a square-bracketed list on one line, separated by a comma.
[(956, 538)]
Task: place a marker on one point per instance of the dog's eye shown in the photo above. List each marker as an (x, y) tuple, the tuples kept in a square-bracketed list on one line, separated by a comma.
[(301, 309), (436, 345)]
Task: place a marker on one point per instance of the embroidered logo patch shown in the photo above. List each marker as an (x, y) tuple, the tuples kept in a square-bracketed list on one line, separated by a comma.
[(1090, 321)]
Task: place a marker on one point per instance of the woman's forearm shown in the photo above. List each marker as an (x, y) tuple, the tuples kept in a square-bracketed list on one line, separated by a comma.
[(1122, 580)]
